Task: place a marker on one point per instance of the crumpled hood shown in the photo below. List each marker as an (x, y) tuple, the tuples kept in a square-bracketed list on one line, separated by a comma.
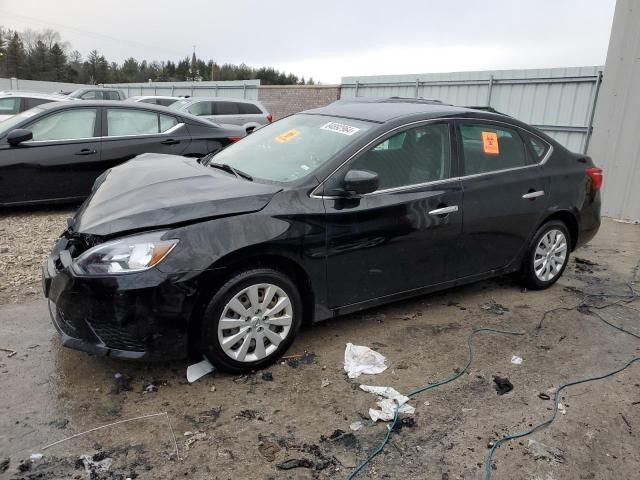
[(155, 190)]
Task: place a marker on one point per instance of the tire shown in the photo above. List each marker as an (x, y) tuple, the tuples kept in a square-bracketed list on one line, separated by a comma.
[(540, 270), (249, 322)]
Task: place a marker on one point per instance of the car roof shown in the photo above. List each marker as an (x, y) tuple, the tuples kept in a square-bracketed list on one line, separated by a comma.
[(218, 99), (24, 93), (384, 111), (153, 96)]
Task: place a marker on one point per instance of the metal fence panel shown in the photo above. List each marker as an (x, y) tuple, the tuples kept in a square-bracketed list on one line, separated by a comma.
[(559, 101), (230, 89)]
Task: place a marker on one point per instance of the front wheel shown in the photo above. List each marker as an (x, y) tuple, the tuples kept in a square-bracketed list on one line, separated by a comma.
[(547, 256), (251, 321)]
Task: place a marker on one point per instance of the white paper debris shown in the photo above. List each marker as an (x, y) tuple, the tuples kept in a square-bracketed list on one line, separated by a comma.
[(516, 360), (355, 426), (199, 370), (562, 409), (36, 456), (388, 410), (427, 403), (359, 360), (92, 467), (392, 398)]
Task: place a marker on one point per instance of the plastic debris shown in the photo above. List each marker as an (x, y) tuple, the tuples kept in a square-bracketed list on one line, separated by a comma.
[(355, 426), (193, 439), (199, 370), (516, 360), (541, 451), (93, 466), (36, 457), (562, 409), (391, 399), (359, 359), (503, 385)]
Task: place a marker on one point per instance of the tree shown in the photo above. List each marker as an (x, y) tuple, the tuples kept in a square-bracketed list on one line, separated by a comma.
[(16, 56), (58, 63)]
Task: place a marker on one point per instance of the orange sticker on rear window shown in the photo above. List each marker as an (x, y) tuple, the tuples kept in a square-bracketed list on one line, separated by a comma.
[(286, 136), (490, 143)]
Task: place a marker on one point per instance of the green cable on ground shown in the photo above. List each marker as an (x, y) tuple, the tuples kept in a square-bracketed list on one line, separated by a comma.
[(556, 399), (548, 421), (430, 386)]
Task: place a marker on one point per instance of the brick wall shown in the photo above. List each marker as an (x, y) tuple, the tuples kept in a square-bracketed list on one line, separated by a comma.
[(283, 100)]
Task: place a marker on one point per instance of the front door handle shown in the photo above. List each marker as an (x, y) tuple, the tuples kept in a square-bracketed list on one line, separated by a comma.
[(86, 151), (444, 210), (533, 194), (170, 141)]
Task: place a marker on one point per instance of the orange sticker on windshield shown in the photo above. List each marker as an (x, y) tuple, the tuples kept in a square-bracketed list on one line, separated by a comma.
[(490, 143), (287, 136)]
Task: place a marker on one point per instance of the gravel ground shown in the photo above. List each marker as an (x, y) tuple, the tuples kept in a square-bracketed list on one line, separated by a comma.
[(26, 238)]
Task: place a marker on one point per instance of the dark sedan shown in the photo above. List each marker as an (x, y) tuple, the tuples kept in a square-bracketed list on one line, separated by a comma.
[(326, 212), (54, 152)]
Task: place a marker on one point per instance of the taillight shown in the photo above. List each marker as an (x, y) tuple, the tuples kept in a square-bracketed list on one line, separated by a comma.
[(270, 118), (234, 139), (595, 174)]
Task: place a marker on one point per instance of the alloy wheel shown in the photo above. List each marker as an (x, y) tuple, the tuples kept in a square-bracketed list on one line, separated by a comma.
[(254, 322), (550, 255)]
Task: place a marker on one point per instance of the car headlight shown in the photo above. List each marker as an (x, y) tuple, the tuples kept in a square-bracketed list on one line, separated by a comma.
[(126, 255)]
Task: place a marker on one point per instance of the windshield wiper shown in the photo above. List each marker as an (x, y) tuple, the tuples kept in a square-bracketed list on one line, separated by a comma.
[(228, 168)]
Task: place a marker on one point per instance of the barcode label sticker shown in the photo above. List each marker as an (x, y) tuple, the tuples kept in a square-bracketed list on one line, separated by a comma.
[(340, 128)]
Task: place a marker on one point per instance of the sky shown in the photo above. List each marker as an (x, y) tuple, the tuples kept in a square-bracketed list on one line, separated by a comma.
[(329, 39)]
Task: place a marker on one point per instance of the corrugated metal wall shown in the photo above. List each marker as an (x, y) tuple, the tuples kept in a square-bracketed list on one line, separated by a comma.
[(559, 101), (37, 85), (616, 136), (231, 89)]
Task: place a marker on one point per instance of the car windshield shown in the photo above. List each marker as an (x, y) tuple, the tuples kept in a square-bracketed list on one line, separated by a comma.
[(9, 124), (293, 147)]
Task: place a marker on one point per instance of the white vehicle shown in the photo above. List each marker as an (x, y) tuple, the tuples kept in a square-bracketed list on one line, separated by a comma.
[(248, 114), (155, 99), (13, 102)]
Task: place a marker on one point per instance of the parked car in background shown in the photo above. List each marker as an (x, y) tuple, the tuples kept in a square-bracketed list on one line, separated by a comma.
[(154, 99), (100, 93), (320, 214), (55, 151), (14, 101), (248, 114)]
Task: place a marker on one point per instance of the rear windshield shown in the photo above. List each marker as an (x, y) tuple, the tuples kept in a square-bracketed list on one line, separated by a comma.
[(293, 147)]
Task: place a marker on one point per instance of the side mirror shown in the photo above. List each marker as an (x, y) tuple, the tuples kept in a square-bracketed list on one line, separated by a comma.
[(19, 135), (359, 182)]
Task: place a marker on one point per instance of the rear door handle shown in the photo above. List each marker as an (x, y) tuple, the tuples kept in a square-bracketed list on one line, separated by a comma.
[(533, 194), (170, 141), (444, 210), (86, 151)]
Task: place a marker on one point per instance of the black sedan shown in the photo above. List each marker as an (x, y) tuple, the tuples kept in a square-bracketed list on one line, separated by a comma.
[(323, 213), (54, 152)]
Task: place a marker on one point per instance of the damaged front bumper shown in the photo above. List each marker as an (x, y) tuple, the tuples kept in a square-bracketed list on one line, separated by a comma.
[(142, 315)]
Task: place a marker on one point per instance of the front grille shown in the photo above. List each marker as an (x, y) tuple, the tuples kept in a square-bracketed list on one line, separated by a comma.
[(117, 337)]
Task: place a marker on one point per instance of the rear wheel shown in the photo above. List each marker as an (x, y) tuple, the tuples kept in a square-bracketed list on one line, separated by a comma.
[(251, 321), (547, 255)]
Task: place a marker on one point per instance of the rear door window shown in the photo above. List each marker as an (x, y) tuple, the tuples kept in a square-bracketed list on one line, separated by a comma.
[(9, 106), (67, 125), (200, 108), (92, 95), (490, 148), (248, 109), (111, 95), (122, 121), (225, 108)]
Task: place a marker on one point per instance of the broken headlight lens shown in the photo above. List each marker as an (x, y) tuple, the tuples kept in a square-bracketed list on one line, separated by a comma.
[(126, 255)]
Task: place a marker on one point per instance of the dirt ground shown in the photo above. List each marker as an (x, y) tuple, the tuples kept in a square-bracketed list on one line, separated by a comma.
[(246, 426)]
